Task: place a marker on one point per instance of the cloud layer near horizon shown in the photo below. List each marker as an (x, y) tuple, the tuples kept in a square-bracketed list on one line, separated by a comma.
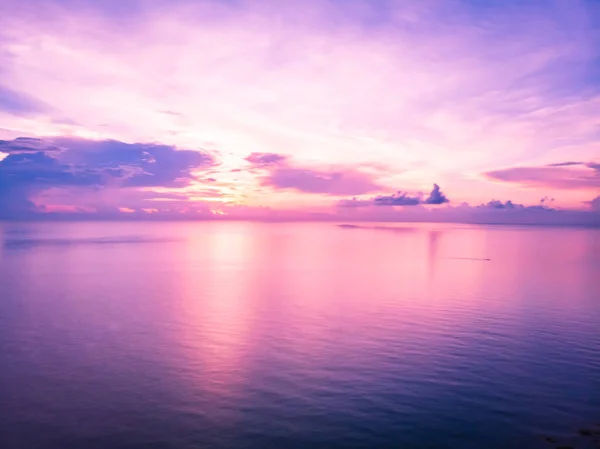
[(82, 178), (297, 105)]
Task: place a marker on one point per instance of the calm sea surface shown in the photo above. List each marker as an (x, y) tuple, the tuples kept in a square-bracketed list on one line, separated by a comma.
[(243, 335)]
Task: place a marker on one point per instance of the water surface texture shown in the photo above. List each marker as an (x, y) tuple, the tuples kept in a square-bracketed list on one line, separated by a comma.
[(243, 335)]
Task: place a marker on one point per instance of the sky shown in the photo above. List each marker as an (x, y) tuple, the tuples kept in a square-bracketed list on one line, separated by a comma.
[(383, 110)]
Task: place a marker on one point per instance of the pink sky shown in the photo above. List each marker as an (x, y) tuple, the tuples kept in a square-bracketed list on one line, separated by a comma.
[(342, 100)]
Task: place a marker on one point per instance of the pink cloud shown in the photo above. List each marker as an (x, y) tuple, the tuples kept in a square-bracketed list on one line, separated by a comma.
[(562, 175), (327, 182), (283, 174), (263, 159)]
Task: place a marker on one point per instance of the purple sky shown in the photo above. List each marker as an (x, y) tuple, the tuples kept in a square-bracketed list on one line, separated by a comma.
[(444, 110)]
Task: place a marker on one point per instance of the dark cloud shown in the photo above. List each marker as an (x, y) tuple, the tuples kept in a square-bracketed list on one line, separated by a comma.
[(594, 204), (41, 169), (562, 175), (593, 166), (20, 103), (138, 164), (436, 196), (495, 204), (564, 164), (26, 145), (262, 159), (23, 175), (509, 205), (399, 199), (34, 165), (547, 199), (497, 212)]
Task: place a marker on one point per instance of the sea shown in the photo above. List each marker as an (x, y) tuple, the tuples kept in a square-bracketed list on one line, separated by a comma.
[(132, 335)]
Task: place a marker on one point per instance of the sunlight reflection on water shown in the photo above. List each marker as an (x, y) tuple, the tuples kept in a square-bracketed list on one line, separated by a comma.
[(294, 335)]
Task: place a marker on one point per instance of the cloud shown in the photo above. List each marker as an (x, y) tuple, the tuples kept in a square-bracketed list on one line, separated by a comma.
[(354, 202), (594, 204), (20, 103), (136, 164), (560, 175), (26, 145), (436, 196), (491, 212), (495, 204), (23, 175), (283, 174), (564, 164), (329, 182), (262, 159), (399, 199), (509, 205), (546, 200), (33, 166)]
